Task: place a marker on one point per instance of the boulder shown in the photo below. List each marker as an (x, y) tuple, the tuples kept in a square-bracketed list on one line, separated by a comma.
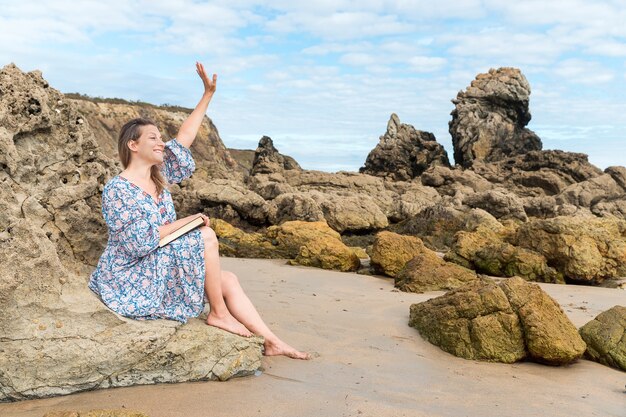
[(313, 244), (606, 338), (428, 272), (268, 160), (487, 252), (404, 153), (391, 251), (57, 336), (489, 119), (501, 323), (549, 335), (584, 249)]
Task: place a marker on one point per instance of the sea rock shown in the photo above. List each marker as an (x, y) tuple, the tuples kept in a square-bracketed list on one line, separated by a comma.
[(314, 244), (498, 202), (487, 252), (584, 249), (606, 338), (268, 160), (427, 272), (404, 153), (455, 181), (391, 251), (501, 323), (489, 119), (537, 173), (438, 224), (549, 335), (57, 336)]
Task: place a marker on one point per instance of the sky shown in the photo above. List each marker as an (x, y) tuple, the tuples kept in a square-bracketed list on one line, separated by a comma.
[(322, 78)]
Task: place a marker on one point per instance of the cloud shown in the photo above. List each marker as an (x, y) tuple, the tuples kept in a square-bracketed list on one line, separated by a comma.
[(585, 72)]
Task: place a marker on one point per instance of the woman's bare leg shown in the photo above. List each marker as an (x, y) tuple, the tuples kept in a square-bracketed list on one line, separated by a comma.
[(242, 308), (219, 316)]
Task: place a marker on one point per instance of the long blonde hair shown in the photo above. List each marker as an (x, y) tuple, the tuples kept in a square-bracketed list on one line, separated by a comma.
[(132, 131)]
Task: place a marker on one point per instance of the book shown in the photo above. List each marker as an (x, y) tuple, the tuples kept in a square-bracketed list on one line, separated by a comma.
[(185, 228)]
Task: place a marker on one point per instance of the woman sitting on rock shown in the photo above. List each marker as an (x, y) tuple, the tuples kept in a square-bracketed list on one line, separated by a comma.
[(134, 276)]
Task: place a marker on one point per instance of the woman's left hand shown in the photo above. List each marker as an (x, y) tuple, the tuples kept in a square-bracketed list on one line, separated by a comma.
[(209, 85), (207, 221)]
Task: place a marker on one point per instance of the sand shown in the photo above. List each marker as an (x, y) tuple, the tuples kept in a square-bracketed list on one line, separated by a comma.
[(368, 361)]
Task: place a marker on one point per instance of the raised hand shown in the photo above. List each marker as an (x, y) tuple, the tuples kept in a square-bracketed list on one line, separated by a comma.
[(209, 85)]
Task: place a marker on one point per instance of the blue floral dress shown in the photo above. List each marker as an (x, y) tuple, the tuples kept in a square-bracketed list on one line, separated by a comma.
[(136, 278)]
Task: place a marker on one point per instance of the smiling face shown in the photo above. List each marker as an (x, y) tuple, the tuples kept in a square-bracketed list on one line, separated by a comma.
[(149, 146)]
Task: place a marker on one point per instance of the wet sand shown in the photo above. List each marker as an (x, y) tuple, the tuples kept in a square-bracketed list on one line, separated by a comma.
[(368, 361)]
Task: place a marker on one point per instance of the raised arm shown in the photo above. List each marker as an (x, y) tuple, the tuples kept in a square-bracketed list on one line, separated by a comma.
[(189, 129)]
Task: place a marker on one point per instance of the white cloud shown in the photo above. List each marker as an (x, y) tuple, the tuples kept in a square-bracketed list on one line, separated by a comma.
[(585, 72)]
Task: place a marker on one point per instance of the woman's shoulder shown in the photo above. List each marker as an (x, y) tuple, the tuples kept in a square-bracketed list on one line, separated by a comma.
[(115, 185)]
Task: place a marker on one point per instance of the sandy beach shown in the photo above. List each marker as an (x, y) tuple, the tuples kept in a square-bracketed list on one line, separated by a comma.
[(368, 361)]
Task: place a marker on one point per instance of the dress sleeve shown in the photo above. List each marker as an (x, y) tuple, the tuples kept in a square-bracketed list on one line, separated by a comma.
[(178, 164), (125, 218)]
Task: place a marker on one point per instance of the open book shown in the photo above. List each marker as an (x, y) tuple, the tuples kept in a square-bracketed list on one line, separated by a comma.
[(185, 228)]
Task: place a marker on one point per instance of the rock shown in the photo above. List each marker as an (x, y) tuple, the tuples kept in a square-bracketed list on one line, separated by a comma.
[(550, 336), (296, 206), (57, 337), (404, 153), (437, 225), (391, 251), (485, 251), (498, 202), (221, 192), (591, 192), (618, 174), (584, 249), (455, 182), (235, 242), (268, 160), (351, 213), (475, 321), (537, 173), (501, 323), (313, 244), (606, 338), (489, 119), (428, 272)]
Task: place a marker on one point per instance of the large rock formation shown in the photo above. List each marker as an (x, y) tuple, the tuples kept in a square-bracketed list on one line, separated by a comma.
[(502, 323), (489, 119), (403, 152), (606, 337), (57, 337)]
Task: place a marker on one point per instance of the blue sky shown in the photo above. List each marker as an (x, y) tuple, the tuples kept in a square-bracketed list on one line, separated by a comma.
[(322, 77)]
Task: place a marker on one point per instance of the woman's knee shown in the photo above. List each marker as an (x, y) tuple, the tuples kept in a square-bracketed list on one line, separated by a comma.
[(208, 236), (229, 281)]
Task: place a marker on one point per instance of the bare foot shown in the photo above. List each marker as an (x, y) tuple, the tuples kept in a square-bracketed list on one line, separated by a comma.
[(228, 323), (279, 347)]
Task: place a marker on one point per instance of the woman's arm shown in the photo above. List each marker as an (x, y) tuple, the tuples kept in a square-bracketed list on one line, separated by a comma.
[(166, 229), (189, 129)]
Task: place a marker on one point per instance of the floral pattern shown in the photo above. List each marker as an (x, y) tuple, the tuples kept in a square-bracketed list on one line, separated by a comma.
[(136, 278)]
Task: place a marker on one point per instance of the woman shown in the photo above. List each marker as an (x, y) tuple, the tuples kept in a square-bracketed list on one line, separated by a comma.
[(136, 278)]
